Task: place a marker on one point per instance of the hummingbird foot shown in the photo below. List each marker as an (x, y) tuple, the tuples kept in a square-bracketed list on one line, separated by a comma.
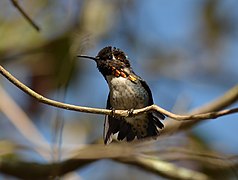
[(130, 112), (113, 111)]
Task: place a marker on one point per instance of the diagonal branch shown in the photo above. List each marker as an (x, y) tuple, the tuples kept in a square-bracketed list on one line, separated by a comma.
[(25, 15), (122, 113), (228, 98)]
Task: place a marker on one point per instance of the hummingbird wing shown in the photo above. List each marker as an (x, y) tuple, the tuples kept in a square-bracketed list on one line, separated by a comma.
[(151, 102), (109, 124), (107, 136), (154, 117)]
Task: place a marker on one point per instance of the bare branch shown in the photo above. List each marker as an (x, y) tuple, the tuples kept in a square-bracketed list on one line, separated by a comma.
[(204, 116), (124, 154), (25, 15), (122, 113)]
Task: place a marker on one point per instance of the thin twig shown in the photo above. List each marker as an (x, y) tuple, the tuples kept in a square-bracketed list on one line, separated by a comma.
[(122, 113), (225, 100), (25, 15)]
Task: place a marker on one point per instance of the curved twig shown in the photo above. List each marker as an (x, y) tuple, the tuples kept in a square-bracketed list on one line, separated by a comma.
[(122, 113)]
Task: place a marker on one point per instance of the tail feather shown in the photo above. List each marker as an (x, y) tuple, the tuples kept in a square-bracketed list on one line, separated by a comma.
[(125, 128), (158, 123), (113, 125), (158, 115)]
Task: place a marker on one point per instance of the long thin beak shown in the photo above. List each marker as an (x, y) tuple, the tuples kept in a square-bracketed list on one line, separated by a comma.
[(88, 57)]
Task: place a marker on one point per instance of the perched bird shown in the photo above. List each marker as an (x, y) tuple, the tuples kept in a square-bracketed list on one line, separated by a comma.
[(128, 91)]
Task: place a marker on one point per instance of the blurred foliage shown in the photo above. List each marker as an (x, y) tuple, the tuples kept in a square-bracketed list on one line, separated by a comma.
[(68, 28)]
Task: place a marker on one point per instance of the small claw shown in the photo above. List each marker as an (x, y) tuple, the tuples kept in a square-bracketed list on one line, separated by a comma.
[(130, 112), (112, 112)]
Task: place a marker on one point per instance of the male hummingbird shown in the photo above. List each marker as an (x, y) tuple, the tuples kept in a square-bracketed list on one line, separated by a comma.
[(128, 91)]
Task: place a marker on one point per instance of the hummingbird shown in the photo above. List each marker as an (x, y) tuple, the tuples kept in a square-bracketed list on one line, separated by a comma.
[(128, 91)]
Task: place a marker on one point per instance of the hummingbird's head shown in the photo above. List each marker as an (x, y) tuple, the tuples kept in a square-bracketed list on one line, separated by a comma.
[(112, 61)]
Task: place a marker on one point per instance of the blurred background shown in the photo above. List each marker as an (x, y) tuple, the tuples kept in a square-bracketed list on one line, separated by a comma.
[(186, 50)]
